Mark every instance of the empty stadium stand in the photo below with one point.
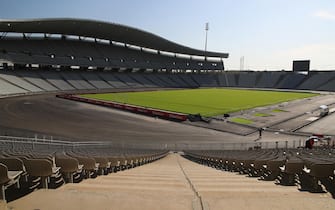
(315, 80)
(269, 79)
(40, 81)
(95, 80)
(28, 165)
(205, 80)
(173, 182)
(77, 81)
(74, 53)
(312, 170)
(143, 80)
(55, 78)
(113, 57)
(291, 81)
(8, 88)
(34, 78)
(247, 79)
(19, 82)
(128, 81)
(92, 59)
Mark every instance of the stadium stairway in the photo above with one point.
(173, 183)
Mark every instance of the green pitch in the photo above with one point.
(207, 102)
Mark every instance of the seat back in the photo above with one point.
(103, 162)
(321, 170)
(294, 166)
(273, 165)
(89, 163)
(114, 161)
(3, 174)
(67, 164)
(38, 167)
(13, 163)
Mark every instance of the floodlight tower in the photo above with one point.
(206, 29)
(242, 63)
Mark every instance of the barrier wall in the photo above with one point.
(135, 109)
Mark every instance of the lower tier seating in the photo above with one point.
(23, 171)
(311, 170)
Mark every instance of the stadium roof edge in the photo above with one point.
(101, 30)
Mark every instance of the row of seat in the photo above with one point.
(21, 172)
(311, 170)
(75, 53)
(28, 81)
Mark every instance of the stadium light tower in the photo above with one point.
(206, 29)
(242, 63)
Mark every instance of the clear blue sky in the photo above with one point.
(268, 33)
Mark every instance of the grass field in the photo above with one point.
(207, 102)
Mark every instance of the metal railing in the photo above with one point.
(240, 145)
(20, 143)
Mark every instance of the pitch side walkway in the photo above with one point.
(172, 183)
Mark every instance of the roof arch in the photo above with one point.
(101, 30)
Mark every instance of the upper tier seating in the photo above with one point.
(87, 54)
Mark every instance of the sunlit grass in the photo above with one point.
(207, 102)
(241, 120)
(261, 115)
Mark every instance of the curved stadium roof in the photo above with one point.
(101, 30)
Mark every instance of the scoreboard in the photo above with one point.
(301, 65)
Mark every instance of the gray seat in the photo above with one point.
(41, 168)
(8, 179)
(69, 167)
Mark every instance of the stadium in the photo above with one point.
(94, 117)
